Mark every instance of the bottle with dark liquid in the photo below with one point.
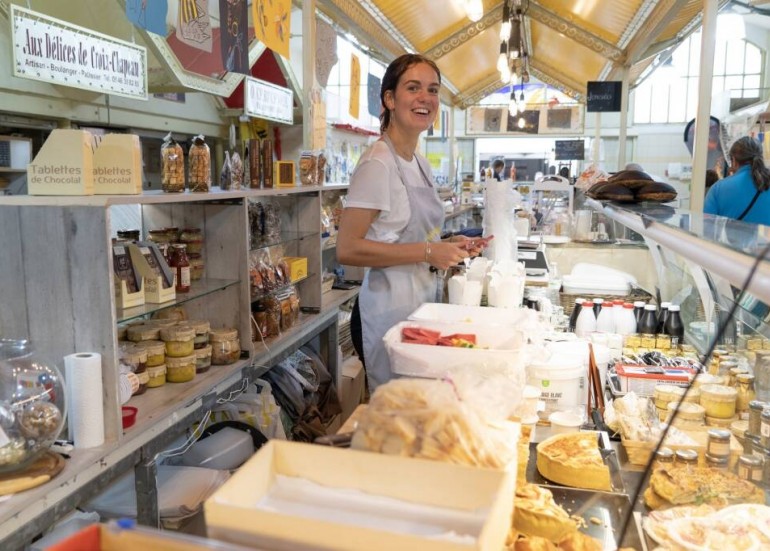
(598, 304)
(674, 326)
(638, 310)
(575, 313)
(662, 317)
(648, 323)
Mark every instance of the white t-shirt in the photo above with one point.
(375, 184)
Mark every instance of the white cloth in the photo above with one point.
(376, 185)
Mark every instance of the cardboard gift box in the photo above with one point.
(248, 509)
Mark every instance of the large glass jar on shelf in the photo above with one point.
(32, 404)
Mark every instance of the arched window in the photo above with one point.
(670, 93)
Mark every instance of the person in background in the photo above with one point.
(513, 172)
(393, 216)
(742, 196)
(634, 166)
(497, 170)
(712, 177)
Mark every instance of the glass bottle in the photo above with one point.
(638, 310)
(598, 304)
(746, 392)
(674, 326)
(181, 264)
(648, 323)
(662, 317)
(575, 313)
(586, 321)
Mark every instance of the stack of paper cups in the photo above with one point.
(83, 372)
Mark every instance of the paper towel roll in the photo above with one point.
(83, 372)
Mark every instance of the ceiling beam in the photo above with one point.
(490, 19)
(473, 95)
(651, 29)
(545, 73)
(570, 28)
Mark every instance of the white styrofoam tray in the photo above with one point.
(499, 349)
(456, 313)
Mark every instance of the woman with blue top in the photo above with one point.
(743, 196)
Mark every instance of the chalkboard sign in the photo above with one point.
(570, 150)
(604, 97)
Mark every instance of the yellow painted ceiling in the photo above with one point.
(572, 41)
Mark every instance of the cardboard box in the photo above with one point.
(232, 513)
(352, 386)
(118, 165)
(638, 379)
(297, 267)
(64, 165)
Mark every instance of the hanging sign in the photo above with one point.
(268, 101)
(58, 52)
(355, 85)
(604, 96)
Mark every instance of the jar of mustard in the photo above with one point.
(202, 359)
(201, 328)
(143, 332)
(157, 376)
(225, 346)
(180, 369)
(156, 352)
(179, 341)
(719, 401)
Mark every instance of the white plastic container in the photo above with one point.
(561, 381)
(578, 349)
(564, 422)
(224, 450)
(586, 320)
(455, 313)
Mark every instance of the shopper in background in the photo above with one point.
(712, 177)
(497, 170)
(393, 217)
(742, 195)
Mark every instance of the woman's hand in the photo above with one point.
(473, 245)
(444, 254)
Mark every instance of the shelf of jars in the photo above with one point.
(198, 289)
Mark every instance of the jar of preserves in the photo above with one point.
(193, 238)
(129, 235)
(755, 416)
(202, 359)
(733, 375)
(201, 328)
(180, 370)
(721, 463)
(764, 429)
(180, 264)
(159, 236)
(719, 401)
(156, 352)
(225, 346)
(718, 443)
(686, 457)
(157, 376)
(664, 457)
(135, 358)
(197, 267)
(179, 341)
(750, 468)
(143, 332)
(746, 392)
(143, 378)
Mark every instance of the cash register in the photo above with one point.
(531, 252)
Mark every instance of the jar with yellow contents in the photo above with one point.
(179, 341)
(180, 370)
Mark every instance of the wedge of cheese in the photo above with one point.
(574, 460)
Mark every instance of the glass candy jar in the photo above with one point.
(32, 404)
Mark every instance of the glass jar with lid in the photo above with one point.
(180, 370)
(202, 359)
(746, 392)
(750, 468)
(143, 332)
(197, 267)
(178, 261)
(179, 341)
(664, 457)
(193, 238)
(686, 457)
(157, 376)
(201, 328)
(719, 401)
(225, 346)
(156, 352)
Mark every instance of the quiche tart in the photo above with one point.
(687, 485)
(535, 513)
(574, 460)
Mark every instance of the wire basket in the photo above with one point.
(568, 300)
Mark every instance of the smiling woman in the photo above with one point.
(393, 217)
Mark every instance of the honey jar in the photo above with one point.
(157, 376)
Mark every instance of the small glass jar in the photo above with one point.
(143, 332)
(197, 267)
(764, 429)
(143, 379)
(733, 375)
(664, 457)
(755, 416)
(193, 238)
(746, 392)
(179, 341)
(756, 445)
(719, 401)
(225, 346)
(686, 457)
(201, 328)
(718, 444)
(156, 352)
(662, 341)
(202, 359)
(134, 357)
(180, 370)
(721, 463)
(130, 235)
(750, 468)
(157, 376)
(159, 236)
(180, 264)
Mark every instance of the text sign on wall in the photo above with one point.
(58, 52)
(604, 96)
(266, 100)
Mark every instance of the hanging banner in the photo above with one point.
(374, 105)
(55, 51)
(266, 100)
(233, 35)
(325, 51)
(355, 86)
(272, 21)
(194, 25)
(148, 14)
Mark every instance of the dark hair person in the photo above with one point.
(742, 196)
(393, 216)
(497, 169)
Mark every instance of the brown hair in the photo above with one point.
(393, 74)
(748, 151)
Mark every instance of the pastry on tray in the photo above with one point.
(535, 513)
(573, 460)
(687, 485)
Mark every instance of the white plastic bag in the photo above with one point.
(257, 407)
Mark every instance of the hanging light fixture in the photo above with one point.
(514, 41)
(505, 27)
(512, 59)
(502, 60)
(512, 107)
(474, 9)
(522, 123)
